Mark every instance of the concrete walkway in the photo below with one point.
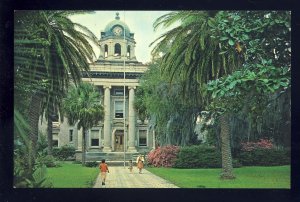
(120, 177)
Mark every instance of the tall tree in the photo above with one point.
(82, 106)
(195, 55)
(210, 46)
(50, 48)
(263, 37)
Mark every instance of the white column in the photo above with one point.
(107, 120)
(101, 50)
(123, 49)
(132, 51)
(111, 49)
(99, 136)
(131, 119)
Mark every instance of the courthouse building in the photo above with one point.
(116, 76)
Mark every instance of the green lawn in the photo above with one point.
(246, 177)
(71, 175)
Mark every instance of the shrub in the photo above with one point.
(262, 153)
(47, 160)
(91, 164)
(42, 144)
(261, 144)
(64, 152)
(199, 156)
(163, 156)
(264, 157)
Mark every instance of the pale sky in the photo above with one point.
(139, 22)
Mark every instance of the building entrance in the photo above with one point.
(119, 140)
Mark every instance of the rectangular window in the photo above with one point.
(94, 142)
(55, 118)
(94, 137)
(55, 139)
(142, 138)
(119, 109)
(71, 135)
(119, 92)
(55, 143)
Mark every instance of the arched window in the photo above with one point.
(117, 49)
(105, 50)
(128, 51)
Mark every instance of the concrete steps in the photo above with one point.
(110, 156)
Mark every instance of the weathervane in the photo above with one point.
(117, 16)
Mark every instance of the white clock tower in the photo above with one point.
(117, 42)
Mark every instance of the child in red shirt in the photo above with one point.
(103, 169)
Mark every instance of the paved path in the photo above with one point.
(120, 177)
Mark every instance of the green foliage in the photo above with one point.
(91, 164)
(192, 53)
(200, 156)
(26, 176)
(162, 102)
(47, 160)
(256, 35)
(21, 129)
(140, 104)
(243, 89)
(48, 51)
(82, 105)
(40, 177)
(42, 144)
(63, 153)
(264, 157)
(263, 39)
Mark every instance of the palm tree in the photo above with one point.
(82, 106)
(50, 48)
(195, 56)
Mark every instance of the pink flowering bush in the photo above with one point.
(261, 144)
(164, 156)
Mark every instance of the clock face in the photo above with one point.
(117, 31)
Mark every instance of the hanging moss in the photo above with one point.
(274, 123)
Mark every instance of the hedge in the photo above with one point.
(264, 157)
(200, 156)
(64, 152)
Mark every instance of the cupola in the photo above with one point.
(117, 42)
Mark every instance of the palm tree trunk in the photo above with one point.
(34, 114)
(49, 127)
(49, 135)
(83, 147)
(227, 168)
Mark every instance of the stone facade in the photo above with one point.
(116, 76)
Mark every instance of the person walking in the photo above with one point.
(103, 169)
(130, 166)
(140, 163)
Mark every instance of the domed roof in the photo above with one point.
(112, 24)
